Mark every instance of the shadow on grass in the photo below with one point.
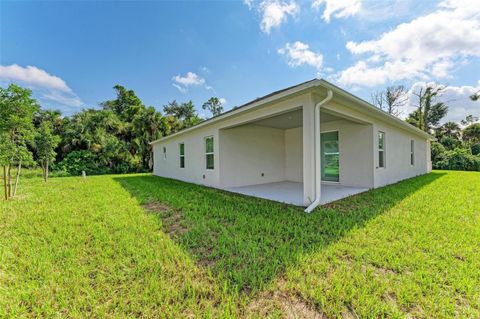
(248, 242)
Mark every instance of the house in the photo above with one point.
(306, 145)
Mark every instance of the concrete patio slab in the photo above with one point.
(292, 192)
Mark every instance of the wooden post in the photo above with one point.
(46, 170)
(9, 171)
(5, 181)
(17, 178)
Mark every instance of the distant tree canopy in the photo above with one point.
(114, 138)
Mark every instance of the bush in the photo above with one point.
(77, 161)
(438, 153)
(475, 149)
(458, 159)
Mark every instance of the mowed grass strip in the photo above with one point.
(145, 246)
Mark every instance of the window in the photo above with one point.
(381, 149)
(209, 152)
(412, 152)
(164, 153)
(182, 155)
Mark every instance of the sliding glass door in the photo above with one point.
(330, 157)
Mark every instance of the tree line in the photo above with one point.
(457, 145)
(111, 139)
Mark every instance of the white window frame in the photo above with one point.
(180, 156)
(412, 152)
(164, 153)
(383, 150)
(209, 153)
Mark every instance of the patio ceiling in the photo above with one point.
(293, 119)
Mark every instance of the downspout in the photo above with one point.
(316, 156)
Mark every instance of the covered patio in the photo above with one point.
(292, 192)
(266, 158)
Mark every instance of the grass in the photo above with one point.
(144, 246)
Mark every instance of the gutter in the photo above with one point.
(316, 156)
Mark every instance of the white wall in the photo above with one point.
(280, 154)
(294, 155)
(247, 152)
(195, 167)
(397, 148)
(355, 148)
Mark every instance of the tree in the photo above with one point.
(125, 105)
(471, 134)
(391, 99)
(475, 96)
(449, 135)
(469, 119)
(214, 106)
(429, 111)
(148, 126)
(45, 144)
(17, 108)
(184, 112)
(449, 129)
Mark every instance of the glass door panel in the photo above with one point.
(330, 157)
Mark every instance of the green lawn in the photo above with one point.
(144, 246)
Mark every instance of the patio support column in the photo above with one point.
(308, 150)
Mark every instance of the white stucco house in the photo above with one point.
(306, 145)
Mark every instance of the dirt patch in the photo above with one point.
(287, 306)
(173, 222)
(155, 207)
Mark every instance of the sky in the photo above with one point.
(72, 53)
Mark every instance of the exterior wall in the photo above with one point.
(294, 155)
(397, 148)
(242, 151)
(195, 167)
(195, 170)
(247, 152)
(355, 145)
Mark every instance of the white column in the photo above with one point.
(308, 151)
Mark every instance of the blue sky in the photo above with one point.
(72, 53)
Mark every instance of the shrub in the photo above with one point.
(458, 159)
(77, 161)
(475, 149)
(438, 152)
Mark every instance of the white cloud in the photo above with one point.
(337, 8)
(299, 54)
(424, 48)
(248, 3)
(33, 76)
(223, 100)
(70, 100)
(189, 79)
(180, 88)
(182, 83)
(456, 97)
(48, 88)
(274, 13)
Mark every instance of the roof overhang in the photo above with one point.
(309, 86)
